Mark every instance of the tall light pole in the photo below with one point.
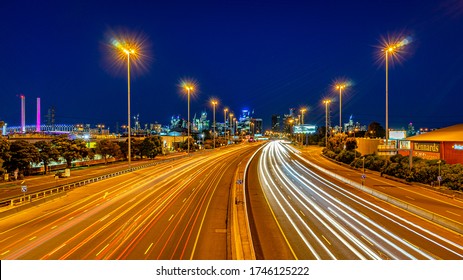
(391, 49)
(225, 110)
(340, 87)
(327, 101)
(303, 110)
(189, 86)
(214, 103)
(127, 47)
(230, 116)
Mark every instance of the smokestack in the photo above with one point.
(23, 113)
(37, 127)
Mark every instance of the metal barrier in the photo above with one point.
(22, 199)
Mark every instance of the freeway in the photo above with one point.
(174, 210)
(321, 218)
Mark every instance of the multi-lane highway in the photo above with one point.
(175, 210)
(319, 218)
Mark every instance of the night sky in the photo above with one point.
(265, 55)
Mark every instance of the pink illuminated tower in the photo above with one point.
(23, 113)
(37, 127)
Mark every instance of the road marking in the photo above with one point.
(367, 240)
(6, 252)
(32, 238)
(326, 239)
(71, 218)
(171, 217)
(137, 218)
(290, 198)
(148, 248)
(104, 218)
(184, 199)
(302, 213)
(313, 197)
(409, 197)
(102, 249)
(54, 227)
(453, 213)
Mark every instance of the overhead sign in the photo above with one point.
(24, 188)
(458, 147)
(305, 129)
(397, 134)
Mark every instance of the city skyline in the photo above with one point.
(266, 55)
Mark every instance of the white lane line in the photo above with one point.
(102, 249)
(32, 238)
(409, 197)
(4, 253)
(171, 217)
(71, 218)
(54, 227)
(148, 248)
(184, 200)
(453, 213)
(302, 213)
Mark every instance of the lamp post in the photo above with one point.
(327, 101)
(340, 87)
(214, 103)
(230, 117)
(189, 87)
(127, 48)
(391, 49)
(225, 110)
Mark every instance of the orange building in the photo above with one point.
(444, 144)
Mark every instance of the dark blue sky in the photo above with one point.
(266, 55)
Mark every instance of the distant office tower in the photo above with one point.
(276, 123)
(37, 127)
(51, 118)
(23, 113)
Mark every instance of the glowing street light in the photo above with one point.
(127, 48)
(390, 49)
(340, 86)
(189, 86)
(214, 103)
(303, 110)
(230, 116)
(327, 102)
(225, 110)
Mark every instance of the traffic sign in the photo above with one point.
(364, 176)
(439, 178)
(24, 188)
(239, 182)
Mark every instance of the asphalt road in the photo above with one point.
(175, 210)
(320, 218)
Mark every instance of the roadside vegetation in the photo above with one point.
(342, 148)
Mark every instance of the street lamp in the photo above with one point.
(214, 103)
(225, 110)
(230, 116)
(130, 48)
(340, 87)
(303, 110)
(189, 86)
(326, 101)
(391, 49)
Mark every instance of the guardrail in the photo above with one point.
(34, 196)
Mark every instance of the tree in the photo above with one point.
(22, 154)
(70, 149)
(4, 152)
(351, 144)
(151, 146)
(376, 130)
(107, 148)
(47, 153)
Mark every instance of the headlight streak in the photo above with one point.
(322, 212)
(317, 190)
(263, 173)
(381, 212)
